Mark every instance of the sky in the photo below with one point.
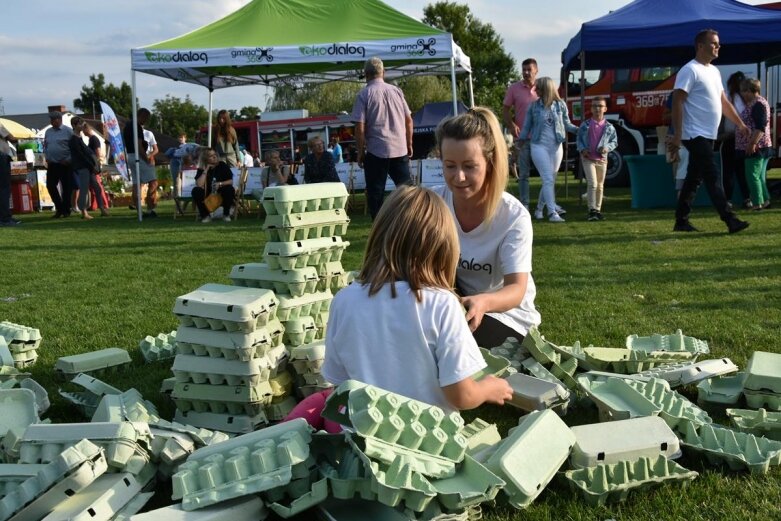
(49, 48)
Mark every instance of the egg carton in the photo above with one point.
(494, 365)
(530, 456)
(233, 345)
(41, 395)
(170, 448)
(103, 361)
(244, 465)
(220, 371)
(280, 407)
(539, 349)
(759, 423)
(69, 472)
(722, 390)
(281, 386)
(624, 440)
(321, 323)
(249, 508)
(133, 506)
(309, 390)
(534, 394)
(755, 400)
(481, 436)
(24, 359)
(15, 334)
(296, 281)
(300, 331)
(6, 360)
(230, 308)
(200, 436)
(763, 373)
(316, 493)
(8, 372)
(306, 225)
(332, 276)
(282, 200)
(342, 466)
(121, 442)
(18, 409)
(512, 350)
(160, 347)
(127, 406)
(395, 427)
(17, 347)
(308, 304)
(14, 474)
(222, 422)
(536, 369)
(631, 361)
(247, 400)
(574, 351)
(314, 379)
(612, 483)
(738, 450)
(99, 501)
(308, 358)
(687, 373)
(617, 400)
(672, 343)
(307, 252)
(673, 407)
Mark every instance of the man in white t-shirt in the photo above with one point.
(698, 102)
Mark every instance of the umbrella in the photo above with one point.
(18, 131)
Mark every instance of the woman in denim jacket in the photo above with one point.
(546, 125)
(596, 138)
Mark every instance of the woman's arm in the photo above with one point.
(200, 177)
(508, 297)
(468, 394)
(582, 139)
(565, 118)
(223, 171)
(528, 123)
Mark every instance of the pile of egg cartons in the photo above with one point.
(18, 344)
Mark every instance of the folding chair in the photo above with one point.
(241, 204)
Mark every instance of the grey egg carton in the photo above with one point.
(534, 394)
(308, 304)
(127, 406)
(103, 361)
(309, 390)
(307, 252)
(300, 331)
(332, 276)
(18, 410)
(687, 373)
(23, 381)
(248, 508)
(304, 198)
(17, 335)
(675, 342)
(14, 474)
(306, 225)
(223, 422)
(308, 358)
(222, 398)
(6, 360)
(24, 359)
(296, 281)
(230, 345)
(280, 407)
(221, 307)
(100, 500)
(220, 371)
(160, 347)
(721, 390)
(133, 506)
(248, 464)
(321, 323)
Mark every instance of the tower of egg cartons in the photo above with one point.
(302, 264)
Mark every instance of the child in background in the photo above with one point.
(596, 138)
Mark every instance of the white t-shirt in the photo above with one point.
(489, 252)
(702, 109)
(149, 137)
(398, 344)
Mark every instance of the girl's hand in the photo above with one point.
(476, 306)
(603, 151)
(497, 390)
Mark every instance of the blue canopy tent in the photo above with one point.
(424, 123)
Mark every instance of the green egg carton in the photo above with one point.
(222, 422)
(248, 508)
(722, 390)
(127, 406)
(308, 358)
(588, 378)
(763, 373)
(100, 362)
(612, 483)
(317, 493)
(24, 359)
(630, 361)
(306, 225)
(480, 437)
(676, 342)
(221, 371)
(235, 345)
(471, 485)
(771, 402)
(759, 423)
(300, 331)
(536, 369)
(512, 350)
(296, 281)
(687, 373)
(244, 465)
(617, 400)
(69, 472)
(230, 308)
(100, 501)
(307, 252)
(495, 365)
(340, 464)
(674, 408)
(737, 450)
(280, 407)
(18, 409)
(395, 427)
(222, 398)
(121, 442)
(539, 349)
(531, 455)
(14, 474)
(160, 347)
(18, 336)
(332, 276)
(308, 304)
(304, 198)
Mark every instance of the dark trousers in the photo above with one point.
(227, 192)
(732, 169)
(492, 333)
(60, 174)
(702, 167)
(377, 170)
(5, 188)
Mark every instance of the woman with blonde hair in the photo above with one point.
(546, 125)
(494, 229)
(226, 143)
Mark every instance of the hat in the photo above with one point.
(55, 114)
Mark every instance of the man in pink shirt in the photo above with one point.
(518, 98)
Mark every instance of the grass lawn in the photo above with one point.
(112, 281)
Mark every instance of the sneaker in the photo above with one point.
(736, 225)
(555, 218)
(206, 219)
(766, 205)
(9, 223)
(747, 204)
(592, 215)
(227, 219)
(684, 226)
(600, 217)
(561, 211)
(538, 214)
(131, 207)
(150, 214)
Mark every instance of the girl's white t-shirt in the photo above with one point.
(398, 344)
(491, 251)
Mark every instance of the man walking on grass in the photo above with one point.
(698, 102)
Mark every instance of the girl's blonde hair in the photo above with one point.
(414, 240)
(546, 90)
(481, 123)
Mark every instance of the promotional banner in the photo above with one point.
(115, 139)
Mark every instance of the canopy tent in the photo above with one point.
(649, 33)
(428, 117)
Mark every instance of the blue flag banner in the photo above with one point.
(115, 139)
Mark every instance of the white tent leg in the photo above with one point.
(211, 99)
(134, 122)
(471, 93)
(453, 85)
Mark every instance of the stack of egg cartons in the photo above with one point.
(22, 343)
(302, 264)
(229, 357)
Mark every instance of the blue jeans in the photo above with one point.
(524, 171)
(377, 170)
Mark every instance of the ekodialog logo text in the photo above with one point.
(179, 57)
(417, 49)
(333, 50)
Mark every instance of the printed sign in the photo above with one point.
(115, 139)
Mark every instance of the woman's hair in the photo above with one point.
(481, 123)
(204, 151)
(733, 83)
(76, 121)
(546, 90)
(225, 131)
(751, 85)
(414, 240)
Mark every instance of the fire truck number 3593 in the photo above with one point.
(650, 100)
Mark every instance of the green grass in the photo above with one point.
(112, 281)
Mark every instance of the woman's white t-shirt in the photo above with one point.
(398, 344)
(489, 252)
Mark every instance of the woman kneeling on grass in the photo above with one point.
(399, 326)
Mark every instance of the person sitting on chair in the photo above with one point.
(276, 174)
(214, 176)
(319, 164)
